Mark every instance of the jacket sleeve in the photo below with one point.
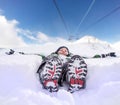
(50, 56)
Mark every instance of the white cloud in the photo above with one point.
(8, 33)
(43, 37)
(12, 36)
(36, 37)
(27, 33)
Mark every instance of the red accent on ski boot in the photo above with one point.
(52, 72)
(81, 82)
(76, 81)
(72, 81)
(48, 81)
(78, 70)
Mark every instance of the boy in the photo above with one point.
(61, 66)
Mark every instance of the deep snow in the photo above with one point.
(19, 83)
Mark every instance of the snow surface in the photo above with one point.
(19, 83)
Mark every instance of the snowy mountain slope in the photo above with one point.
(90, 39)
(93, 44)
(86, 46)
(117, 45)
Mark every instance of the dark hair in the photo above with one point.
(60, 48)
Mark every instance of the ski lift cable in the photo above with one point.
(61, 16)
(103, 17)
(85, 15)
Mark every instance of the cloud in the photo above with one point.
(8, 33)
(36, 37)
(43, 38)
(27, 34)
(13, 36)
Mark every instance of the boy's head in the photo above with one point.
(62, 50)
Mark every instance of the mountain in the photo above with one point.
(92, 45)
(85, 46)
(117, 45)
(90, 39)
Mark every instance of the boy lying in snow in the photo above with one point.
(62, 66)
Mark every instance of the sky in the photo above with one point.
(37, 21)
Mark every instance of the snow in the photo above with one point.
(19, 83)
(90, 39)
(117, 45)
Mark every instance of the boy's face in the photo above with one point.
(63, 51)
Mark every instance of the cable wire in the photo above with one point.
(61, 16)
(102, 18)
(85, 15)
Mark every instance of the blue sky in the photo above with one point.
(42, 16)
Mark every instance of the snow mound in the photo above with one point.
(19, 83)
